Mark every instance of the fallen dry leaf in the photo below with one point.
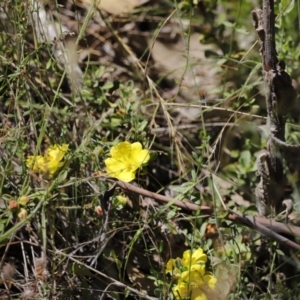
(139, 280)
(196, 74)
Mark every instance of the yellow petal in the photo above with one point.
(190, 258)
(115, 167)
(198, 256)
(197, 272)
(200, 268)
(139, 156)
(137, 146)
(198, 294)
(53, 166)
(194, 274)
(171, 265)
(56, 152)
(186, 258)
(30, 162)
(119, 170)
(126, 176)
(185, 276)
(210, 280)
(36, 163)
(121, 151)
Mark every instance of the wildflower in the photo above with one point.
(125, 159)
(192, 279)
(50, 162)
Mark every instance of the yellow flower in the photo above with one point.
(125, 159)
(50, 162)
(191, 258)
(193, 281)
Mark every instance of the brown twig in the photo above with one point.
(183, 204)
(265, 226)
(254, 223)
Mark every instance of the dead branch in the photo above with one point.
(267, 227)
(280, 99)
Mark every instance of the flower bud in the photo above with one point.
(121, 200)
(23, 200)
(13, 205)
(98, 210)
(22, 214)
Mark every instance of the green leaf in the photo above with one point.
(194, 175)
(171, 214)
(279, 252)
(142, 126)
(48, 65)
(80, 270)
(245, 158)
(107, 86)
(287, 6)
(242, 30)
(234, 153)
(228, 24)
(221, 62)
